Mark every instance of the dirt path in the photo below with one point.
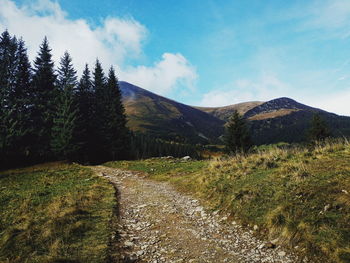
(159, 224)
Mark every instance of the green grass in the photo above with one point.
(300, 196)
(183, 174)
(54, 213)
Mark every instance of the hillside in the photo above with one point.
(168, 119)
(287, 120)
(296, 197)
(223, 113)
(281, 119)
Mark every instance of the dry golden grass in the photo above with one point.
(299, 195)
(272, 114)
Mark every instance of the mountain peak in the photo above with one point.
(164, 118)
(282, 103)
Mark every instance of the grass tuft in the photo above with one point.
(299, 195)
(54, 213)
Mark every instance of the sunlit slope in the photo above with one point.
(277, 120)
(168, 119)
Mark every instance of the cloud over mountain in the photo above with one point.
(114, 41)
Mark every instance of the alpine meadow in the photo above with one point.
(188, 131)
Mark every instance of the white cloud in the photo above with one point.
(266, 87)
(337, 102)
(172, 70)
(113, 42)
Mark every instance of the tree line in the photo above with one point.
(47, 114)
(237, 137)
(144, 146)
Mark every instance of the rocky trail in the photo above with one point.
(156, 223)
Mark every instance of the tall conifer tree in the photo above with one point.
(44, 98)
(85, 132)
(319, 129)
(237, 137)
(116, 131)
(99, 122)
(64, 121)
(8, 57)
(20, 101)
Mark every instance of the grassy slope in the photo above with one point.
(54, 213)
(225, 112)
(299, 196)
(167, 119)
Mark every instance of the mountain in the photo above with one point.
(224, 113)
(164, 118)
(287, 120)
(277, 120)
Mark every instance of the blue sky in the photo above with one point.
(209, 53)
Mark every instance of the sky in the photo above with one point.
(201, 52)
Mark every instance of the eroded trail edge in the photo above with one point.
(159, 224)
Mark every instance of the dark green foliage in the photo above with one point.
(294, 127)
(15, 77)
(84, 135)
(64, 121)
(237, 137)
(116, 132)
(99, 86)
(44, 96)
(112, 137)
(319, 129)
(143, 147)
(8, 47)
(45, 116)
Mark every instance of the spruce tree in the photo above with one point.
(319, 129)
(64, 121)
(20, 100)
(85, 132)
(116, 132)
(99, 122)
(237, 137)
(8, 59)
(44, 94)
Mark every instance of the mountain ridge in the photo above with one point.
(168, 119)
(280, 119)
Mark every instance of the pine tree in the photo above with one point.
(20, 100)
(44, 95)
(85, 131)
(116, 132)
(8, 59)
(64, 121)
(319, 129)
(99, 121)
(237, 138)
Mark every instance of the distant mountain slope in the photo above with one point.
(225, 112)
(277, 120)
(287, 120)
(278, 104)
(168, 119)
